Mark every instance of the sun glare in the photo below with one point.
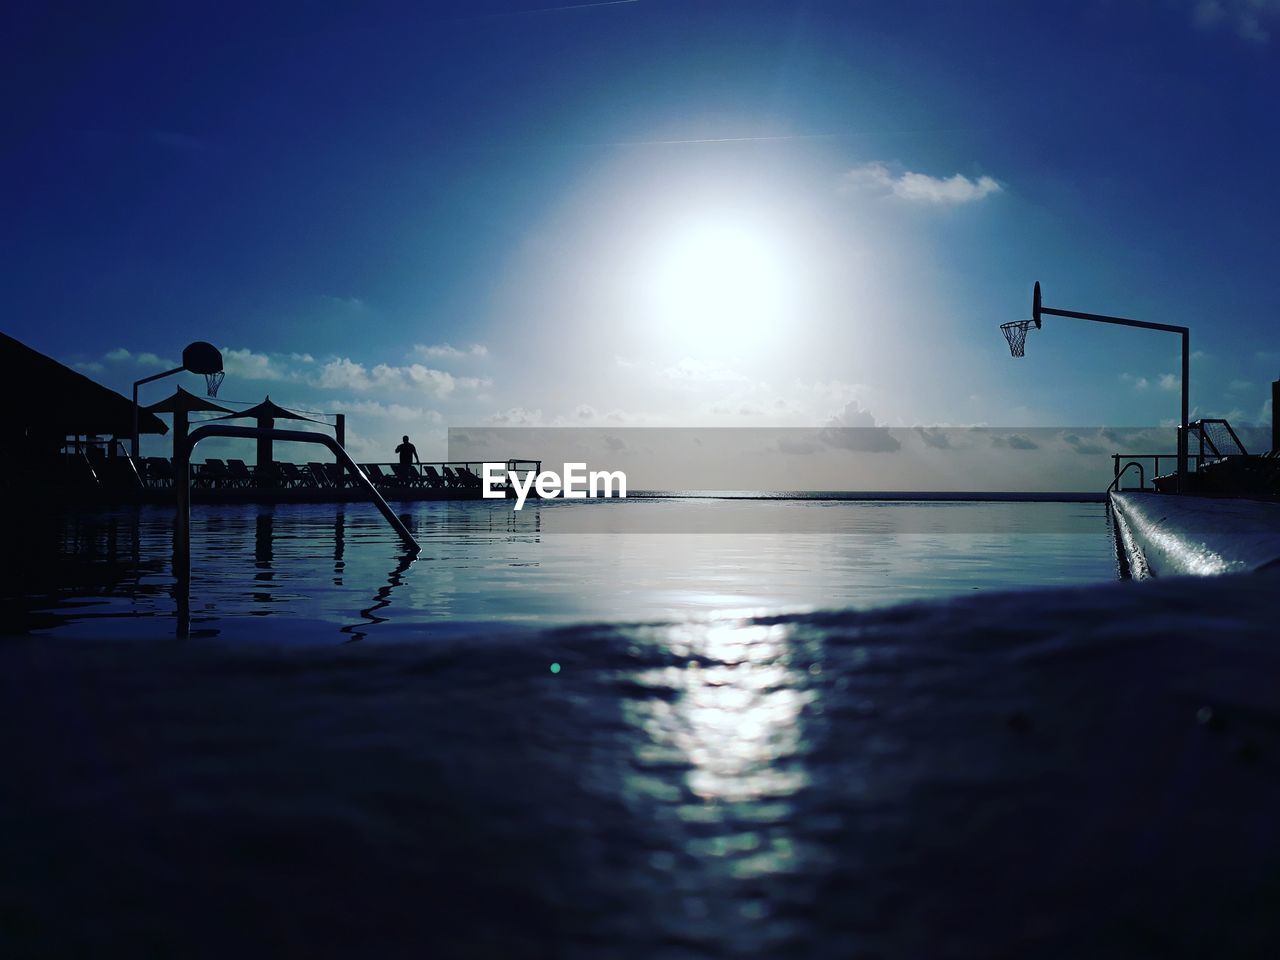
(718, 284)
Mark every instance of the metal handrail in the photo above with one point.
(1142, 476)
(182, 480)
(1196, 458)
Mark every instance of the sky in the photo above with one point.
(650, 213)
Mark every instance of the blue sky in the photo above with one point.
(663, 212)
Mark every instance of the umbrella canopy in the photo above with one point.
(188, 402)
(266, 413)
(43, 398)
(267, 410)
(180, 404)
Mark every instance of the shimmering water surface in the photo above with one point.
(1068, 773)
(315, 571)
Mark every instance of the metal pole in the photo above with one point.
(135, 422)
(339, 434)
(1185, 333)
(1275, 413)
(182, 517)
(1183, 485)
(136, 385)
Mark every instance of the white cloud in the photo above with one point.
(121, 355)
(1015, 441)
(389, 411)
(1084, 445)
(1170, 382)
(91, 366)
(343, 373)
(247, 365)
(689, 370)
(447, 351)
(919, 187)
(854, 428)
(437, 381)
(517, 417)
(1248, 18)
(1239, 386)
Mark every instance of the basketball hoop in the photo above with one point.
(212, 381)
(1015, 332)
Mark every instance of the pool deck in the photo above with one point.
(1166, 535)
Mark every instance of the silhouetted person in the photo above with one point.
(408, 452)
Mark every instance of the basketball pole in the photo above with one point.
(1184, 332)
(136, 385)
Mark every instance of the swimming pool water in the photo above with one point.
(327, 572)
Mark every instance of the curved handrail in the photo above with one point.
(1142, 476)
(182, 476)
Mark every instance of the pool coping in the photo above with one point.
(1165, 535)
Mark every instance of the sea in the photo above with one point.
(666, 727)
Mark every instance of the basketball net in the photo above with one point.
(212, 381)
(1016, 333)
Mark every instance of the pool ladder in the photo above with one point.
(182, 484)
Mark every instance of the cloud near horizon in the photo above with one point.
(918, 187)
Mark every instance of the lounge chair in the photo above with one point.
(159, 472)
(239, 473)
(376, 476)
(291, 475)
(468, 478)
(214, 474)
(433, 479)
(319, 475)
(406, 475)
(336, 472)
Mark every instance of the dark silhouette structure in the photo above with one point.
(1016, 333)
(182, 404)
(49, 408)
(198, 357)
(267, 413)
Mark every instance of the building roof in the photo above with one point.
(40, 395)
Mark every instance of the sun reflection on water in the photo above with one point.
(731, 718)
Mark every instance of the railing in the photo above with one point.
(1218, 449)
(1154, 457)
(1142, 480)
(103, 461)
(216, 474)
(182, 477)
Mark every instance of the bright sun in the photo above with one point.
(720, 283)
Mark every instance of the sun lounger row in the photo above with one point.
(420, 476)
(218, 474)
